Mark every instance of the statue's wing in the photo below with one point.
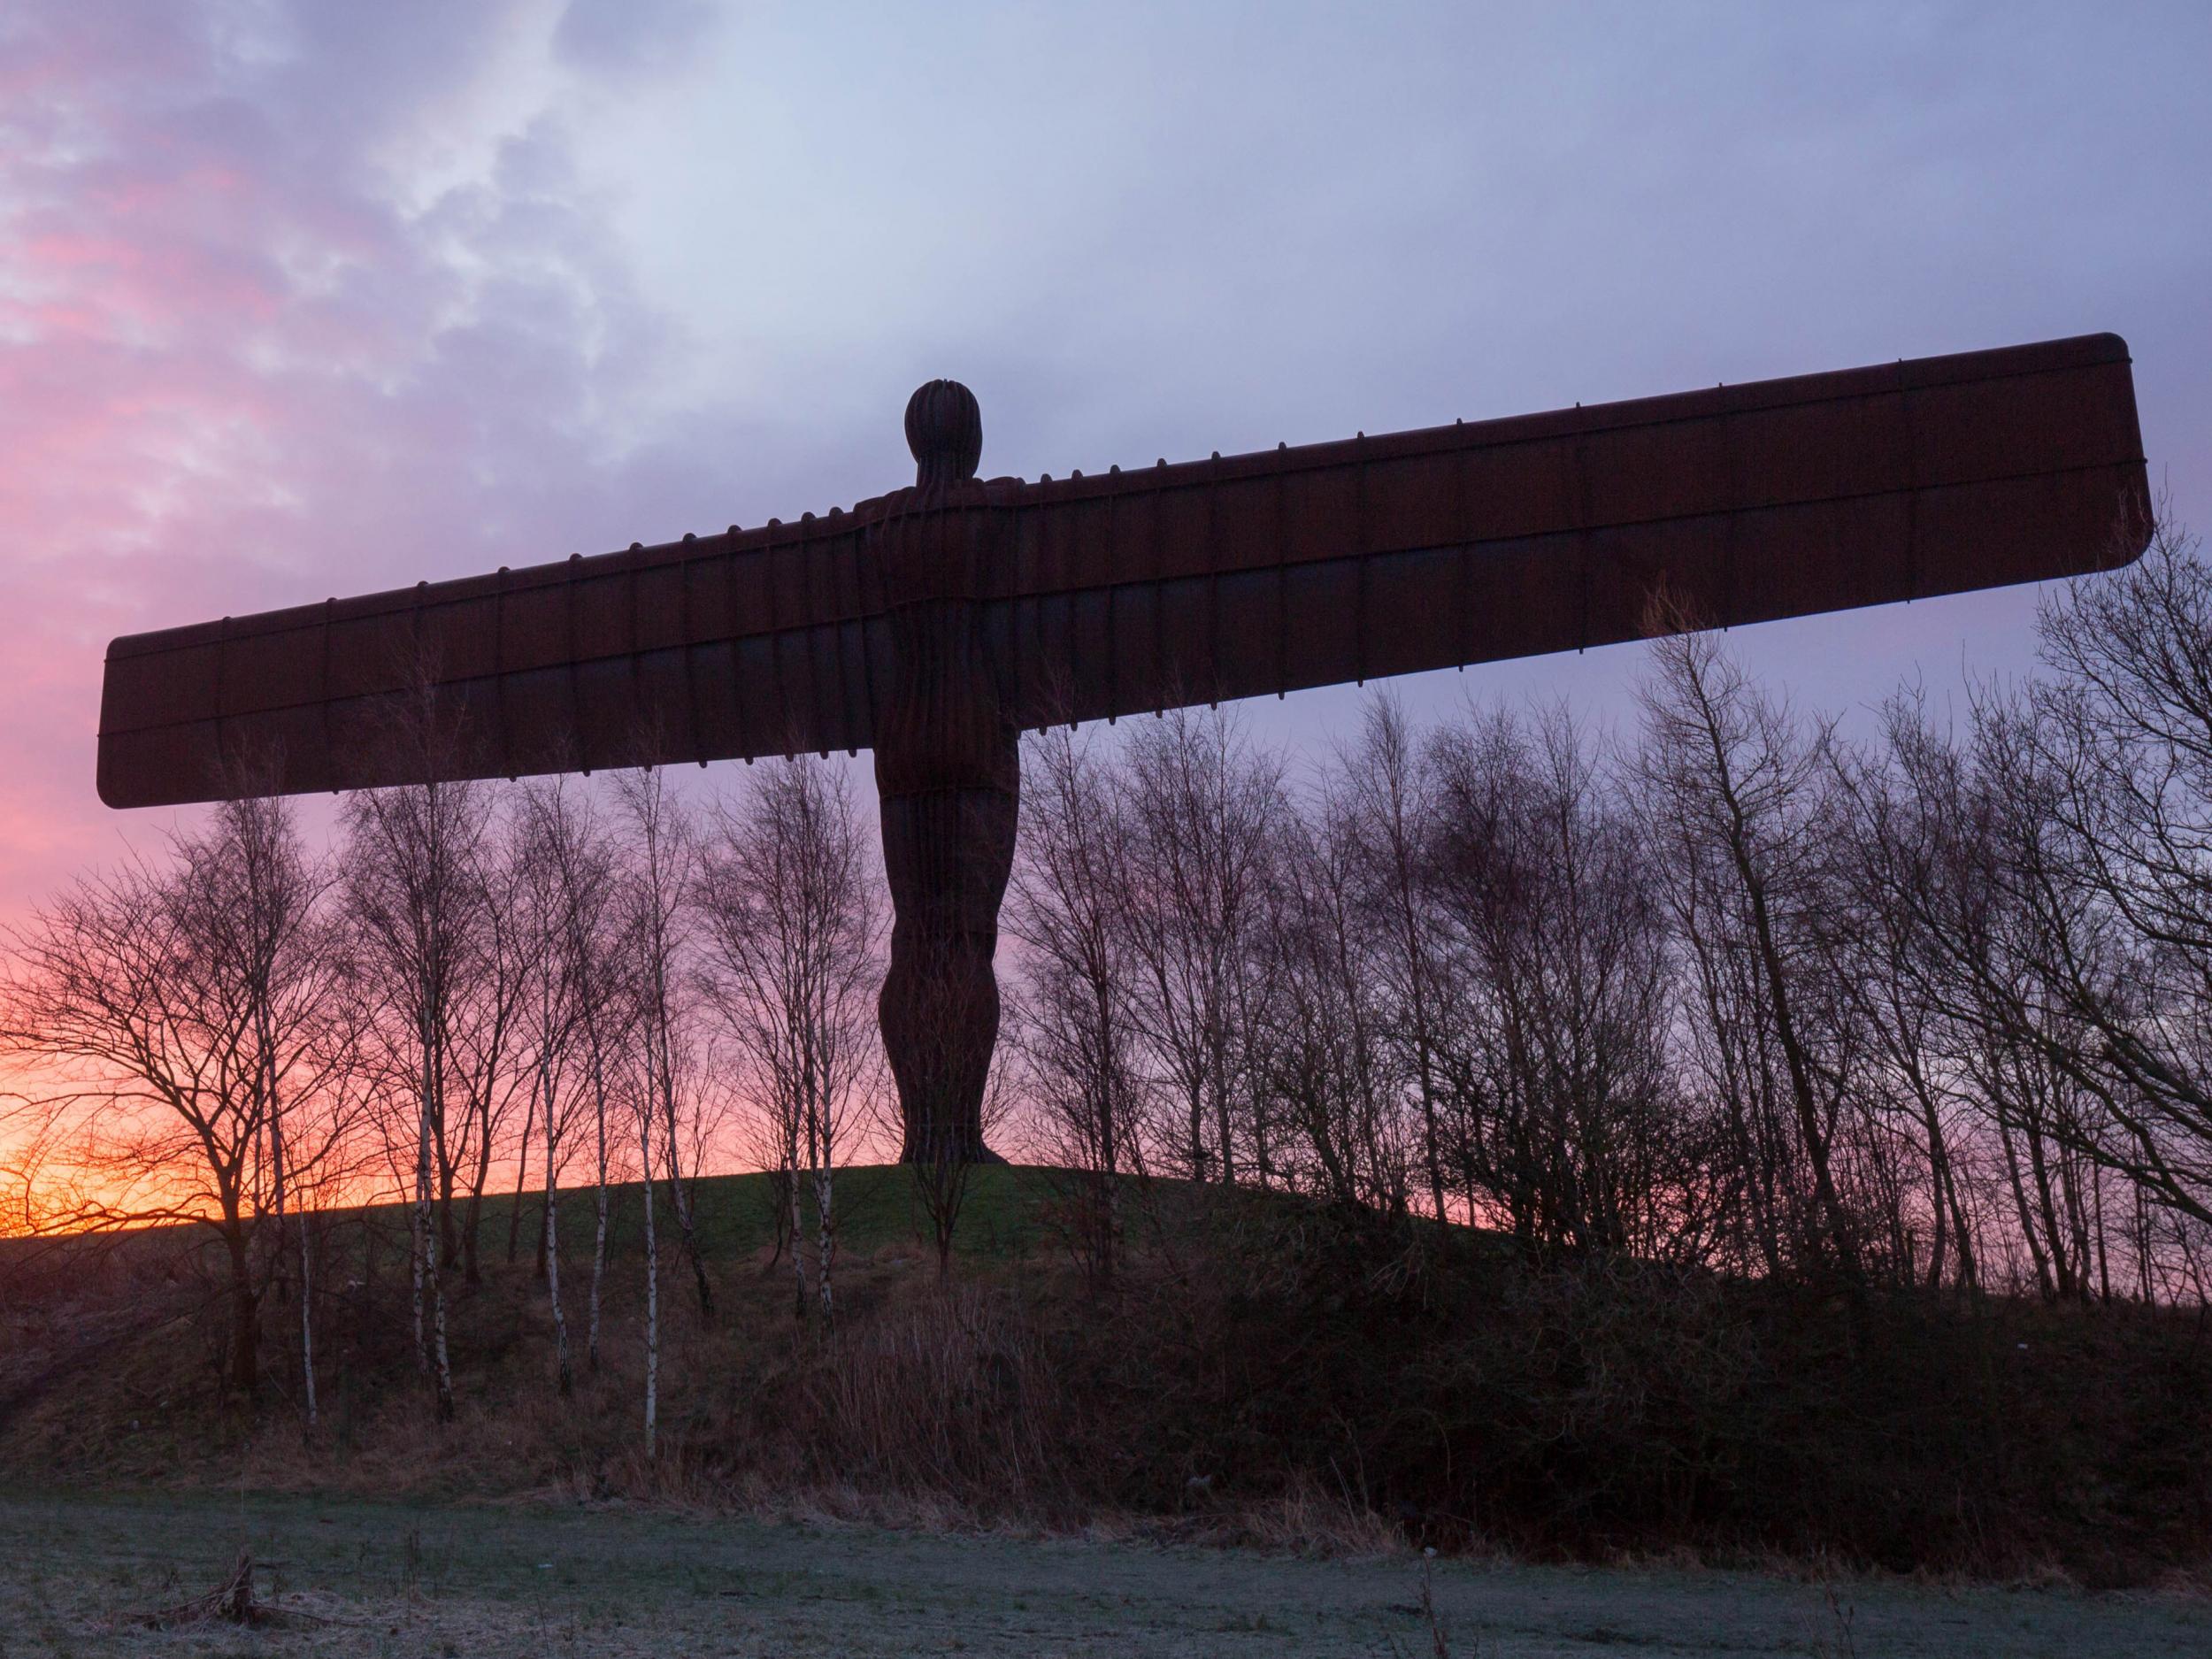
(750, 643)
(1350, 561)
(1220, 579)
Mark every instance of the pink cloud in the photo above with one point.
(238, 369)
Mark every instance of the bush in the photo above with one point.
(1263, 1371)
(1583, 1406)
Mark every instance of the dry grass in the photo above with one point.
(929, 1408)
(1273, 1387)
(539, 1581)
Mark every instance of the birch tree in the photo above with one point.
(414, 891)
(596, 956)
(486, 1078)
(1383, 798)
(553, 846)
(1741, 800)
(644, 1104)
(663, 854)
(255, 901)
(1076, 1024)
(1317, 1051)
(1556, 983)
(180, 1016)
(793, 922)
(1202, 805)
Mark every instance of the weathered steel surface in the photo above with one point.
(1547, 533)
(949, 777)
(1123, 592)
(933, 624)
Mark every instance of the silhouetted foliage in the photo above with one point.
(1729, 1130)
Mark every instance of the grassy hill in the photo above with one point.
(1005, 1213)
(1257, 1368)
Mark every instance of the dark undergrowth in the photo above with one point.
(1257, 1370)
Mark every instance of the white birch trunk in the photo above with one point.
(420, 1237)
(437, 1316)
(652, 1288)
(828, 1238)
(561, 1368)
(599, 1231)
(522, 1169)
(307, 1286)
(307, 1321)
(679, 1200)
(798, 1226)
(553, 1283)
(428, 1276)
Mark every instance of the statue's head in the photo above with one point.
(944, 428)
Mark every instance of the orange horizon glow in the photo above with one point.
(82, 1201)
(302, 301)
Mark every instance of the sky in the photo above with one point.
(303, 299)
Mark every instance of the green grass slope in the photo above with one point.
(1005, 1212)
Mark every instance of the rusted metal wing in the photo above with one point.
(748, 642)
(1389, 554)
(1130, 591)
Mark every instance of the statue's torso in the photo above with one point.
(943, 724)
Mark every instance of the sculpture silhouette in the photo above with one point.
(936, 623)
(948, 775)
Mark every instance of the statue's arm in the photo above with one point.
(1354, 560)
(739, 644)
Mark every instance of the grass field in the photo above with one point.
(1001, 1214)
(493, 1582)
(129, 1481)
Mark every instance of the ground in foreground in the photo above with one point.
(548, 1582)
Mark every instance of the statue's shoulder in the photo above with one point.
(975, 492)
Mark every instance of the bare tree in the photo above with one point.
(415, 893)
(484, 1065)
(1903, 815)
(1202, 805)
(1318, 1052)
(793, 923)
(2122, 749)
(1075, 1021)
(597, 960)
(2006, 944)
(183, 1017)
(645, 1104)
(1551, 959)
(663, 855)
(554, 856)
(1738, 793)
(1384, 800)
(255, 903)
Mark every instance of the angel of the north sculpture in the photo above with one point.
(936, 623)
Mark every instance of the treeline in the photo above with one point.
(536, 989)
(1731, 991)
(1726, 993)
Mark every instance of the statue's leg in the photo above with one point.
(947, 854)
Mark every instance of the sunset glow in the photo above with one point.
(1138, 827)
(302, 300)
